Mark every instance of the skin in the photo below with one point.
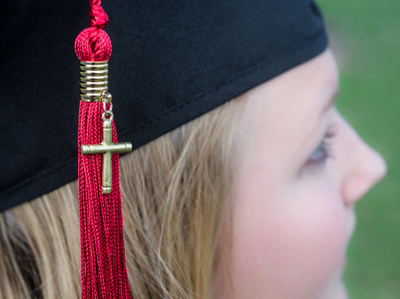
(293, 211)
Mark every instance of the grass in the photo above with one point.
(365, 37)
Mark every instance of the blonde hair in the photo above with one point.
(175, 193)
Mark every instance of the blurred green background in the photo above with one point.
(365, 38)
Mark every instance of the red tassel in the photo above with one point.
(103, 271)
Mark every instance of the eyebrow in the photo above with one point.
(331, 101)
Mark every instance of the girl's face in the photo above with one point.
(302, 169)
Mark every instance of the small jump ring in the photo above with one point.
(105, 107)
(106, 97)
(107, 114)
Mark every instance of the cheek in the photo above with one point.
(288, 246)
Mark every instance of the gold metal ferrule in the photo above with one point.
(93, 80)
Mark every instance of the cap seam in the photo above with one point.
(66, 163)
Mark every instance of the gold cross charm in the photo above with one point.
(107, 148)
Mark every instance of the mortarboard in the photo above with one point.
(172, 62)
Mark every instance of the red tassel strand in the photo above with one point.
(103, 271)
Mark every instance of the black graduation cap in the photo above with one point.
(172, 62)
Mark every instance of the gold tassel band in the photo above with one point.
(93, 80)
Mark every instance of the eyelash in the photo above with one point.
(323, 151)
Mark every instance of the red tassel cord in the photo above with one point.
(103, 271)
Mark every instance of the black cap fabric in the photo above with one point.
(172, 61)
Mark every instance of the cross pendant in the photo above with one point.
(107, 148)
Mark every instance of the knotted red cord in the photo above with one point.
(103, 271)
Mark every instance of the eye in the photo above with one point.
(323, 151)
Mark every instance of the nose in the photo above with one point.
(366, 167)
